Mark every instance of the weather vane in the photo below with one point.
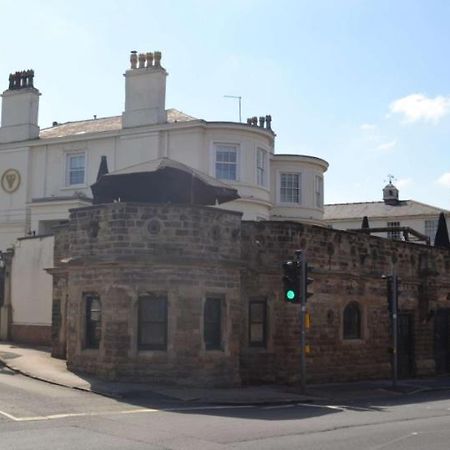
(390, 178)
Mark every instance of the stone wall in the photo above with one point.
(120, 251)
(347, 267)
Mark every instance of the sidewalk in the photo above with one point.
(37, 363)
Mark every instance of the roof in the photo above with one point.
(342, 211)
(162, 181)
(101, 125)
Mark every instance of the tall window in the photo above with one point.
(257, 326)
(226, 162)
(212, 324)
(75, 169)
(93, 321)
(352, 321)
(152, 322)
(319, 191)
(290, 188)
(394, 234)
(261, 167)
(431, 228)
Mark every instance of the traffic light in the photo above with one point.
(392, 293)
(307, 281)
(291, 285)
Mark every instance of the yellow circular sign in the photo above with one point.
(10, 180)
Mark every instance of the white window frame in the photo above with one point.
(264, 169)
(68, 157)
(231, 146)
(318, 190)
(394, 235)
(280, 176)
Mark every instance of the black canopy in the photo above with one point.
(161, 181)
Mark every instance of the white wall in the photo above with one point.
(309, 167)
(31, 286)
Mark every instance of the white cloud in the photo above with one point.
(444, 180)
(387, 145)
(368, 127)
(416, 107)
(403, 182)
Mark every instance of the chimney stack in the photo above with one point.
(20, 106)
(145, 91)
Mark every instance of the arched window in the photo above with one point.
(352, 321)
(93, 321)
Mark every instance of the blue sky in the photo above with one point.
(364, 84)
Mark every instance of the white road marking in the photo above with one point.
(151, 410)
(126, 411)
(279, 406)
(312, 405)
(83, 414)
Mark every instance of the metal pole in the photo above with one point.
(240, 106)
(240, 116)
(301, 264)
(394, 329)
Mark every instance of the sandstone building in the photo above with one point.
(191, 294)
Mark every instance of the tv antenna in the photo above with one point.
(238, 97)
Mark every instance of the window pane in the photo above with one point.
(226, 162)
(256, 333)
(75, 169)
(319, 191)
(212, 326)
(395, 234)
(290, 188)
(93, 322)
(261, 166)
(352, 321)
(152, 323)
(257, 323)
(257, 312)
(153, 335)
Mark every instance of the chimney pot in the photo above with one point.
(157, 56)
(133, 59)
(149, 57)
(141, 60)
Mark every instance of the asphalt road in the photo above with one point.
(36, 415)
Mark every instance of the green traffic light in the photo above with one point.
(290, 294)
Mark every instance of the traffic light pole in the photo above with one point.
(300, 258)
(394, 328)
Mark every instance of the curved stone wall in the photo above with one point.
(119, 252)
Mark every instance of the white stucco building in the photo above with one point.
(391, 212)
(45, 173)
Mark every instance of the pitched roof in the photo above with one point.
(101, 124)
(342, 211)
